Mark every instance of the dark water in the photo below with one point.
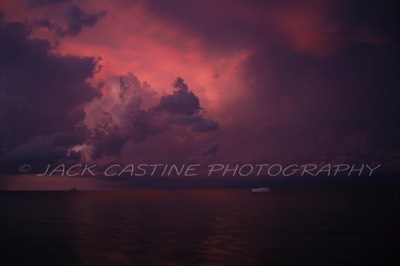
(352, 226)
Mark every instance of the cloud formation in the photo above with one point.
(319, 82)
(53, 114)
(41, 97)
(76, 19)
(180, 102)
(210, 150)
(42, 3)
(300, 81)
(73, 21)
(123, 116)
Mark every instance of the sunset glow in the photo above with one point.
(263, 82)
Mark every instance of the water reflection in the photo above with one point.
(164, 226)
(194, 227)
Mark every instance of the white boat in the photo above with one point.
(260, 189)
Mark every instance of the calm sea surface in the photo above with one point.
(327, 226)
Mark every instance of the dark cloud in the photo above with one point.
(181, 101)
(210, 150)
(340, 106)
(206, 126)
(76, 19)
(184, 108)
(308, 26)
(186, 119)
(109, 144)
(41, 96)
(197, 121)
(317, 72)
(137, 126)
(54, 28)
(42, 3)
(44, 148)
(128, 120)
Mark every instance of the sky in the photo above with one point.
(198, 82)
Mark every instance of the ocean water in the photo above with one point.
(319, 226)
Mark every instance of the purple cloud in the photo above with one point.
(76, 19)
(42, 95)
(131, 119)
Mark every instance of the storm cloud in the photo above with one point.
(76, 19)
(279, 81)
(41, 96)
(42, 3)
(127, 115)
(71, 23)
(318, 74)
